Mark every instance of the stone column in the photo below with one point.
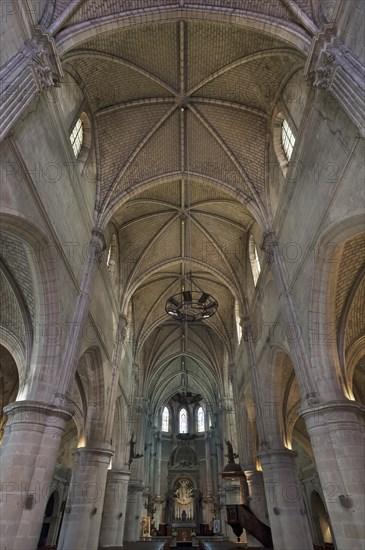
(84, 507)
(157, 480)
(29, 450)
(133, 512)
(114, 511)
(337, 433)
(209, 488)
(137, 482)
(288, 521)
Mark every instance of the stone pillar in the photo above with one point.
(133, 512)
(114, 511)
(298, 352)
(288, 520)
(84, 507)
(209, 488)
(81, 311)
(157, 480)
(29, 450)
(256, 494)
(228, 419)
(337, 433)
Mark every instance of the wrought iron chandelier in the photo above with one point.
(190, 304)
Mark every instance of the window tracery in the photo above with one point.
(165, 420)
(183, 421)
(200, 419)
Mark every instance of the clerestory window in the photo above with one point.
(254, 259)
(183, 421)
(200, 419)
(287, 139)
(165, 420)
(77, 137)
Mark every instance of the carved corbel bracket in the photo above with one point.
(42, 55)
(332, 67)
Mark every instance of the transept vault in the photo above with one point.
(149, 149)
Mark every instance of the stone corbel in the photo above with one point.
(42, 55)
(332, 67)
(36, 68)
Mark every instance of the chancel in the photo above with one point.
(182, 274)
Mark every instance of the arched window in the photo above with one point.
(112, 252)
(287, 139)
(165, 420)
(77, 137)
(183, 421)
(238, 320)
(200, 419)
(254, 259)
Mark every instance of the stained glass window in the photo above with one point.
(165, 420)
(183, 421)
(287, 139)
(201, 422)
(77, 137)
(254, 259)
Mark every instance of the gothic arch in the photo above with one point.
(329, 373)
(47, 304)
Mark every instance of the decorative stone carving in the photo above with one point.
(332, 67)
(324, 73)
(41, 53)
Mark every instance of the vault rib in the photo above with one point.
(244, 60)
(134, 154)
(119, 60)
(230, 154)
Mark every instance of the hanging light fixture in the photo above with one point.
(191, 304)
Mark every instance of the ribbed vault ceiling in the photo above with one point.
(181, 114)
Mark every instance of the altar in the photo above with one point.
(184, 534)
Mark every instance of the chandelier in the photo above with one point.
(190, 304)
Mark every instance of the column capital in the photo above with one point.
(36, 68)
(97, 244)
(269, 245)
(332, 414)
(332, 67)
(284, 455)
(118, 475)
(36, 415)
(93, 454)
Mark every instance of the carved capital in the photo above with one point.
(97, 245)
(269, 246)
(41, 53)
(122, 330)
(332, 67)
